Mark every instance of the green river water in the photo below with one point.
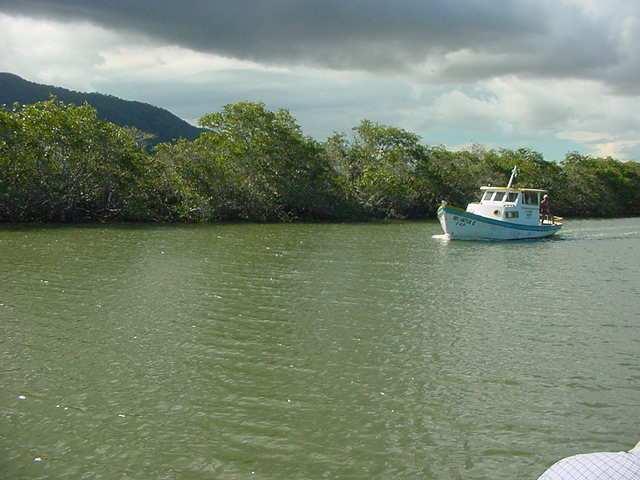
(309, 351)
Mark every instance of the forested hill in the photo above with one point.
(161, 123)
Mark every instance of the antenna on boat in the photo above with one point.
(514, 174)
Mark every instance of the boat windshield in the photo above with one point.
(499, 197)
(531, 198)
(487, 195)
(512, 197)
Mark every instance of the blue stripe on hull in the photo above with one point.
(501, 223)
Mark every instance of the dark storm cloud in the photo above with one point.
(367, 34)
(535, 37)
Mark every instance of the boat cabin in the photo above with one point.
(517, 205)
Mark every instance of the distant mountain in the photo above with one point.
(160, 122)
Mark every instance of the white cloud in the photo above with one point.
(607, 144)
(48, 52)
(585, 112)
(80, 55)
(584, 136)
(170, 61)
(620, 149)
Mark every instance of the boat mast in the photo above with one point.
(514, 174)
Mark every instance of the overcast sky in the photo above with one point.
(553, 75)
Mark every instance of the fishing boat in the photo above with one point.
(503, 213)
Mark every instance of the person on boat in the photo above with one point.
(545, 209)
(597, 466)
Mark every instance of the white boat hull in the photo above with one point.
(459, 224)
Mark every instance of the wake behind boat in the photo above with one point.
(503, 213)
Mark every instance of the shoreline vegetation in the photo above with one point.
(59, 163)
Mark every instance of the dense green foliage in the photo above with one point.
(162, 125)
(62, 163)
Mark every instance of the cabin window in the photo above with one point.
(531, 198)
(499, 197)
(512, 197)
(511, 214)
(487, 196)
